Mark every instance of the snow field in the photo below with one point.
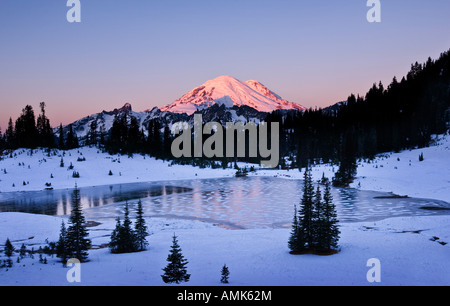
(405, 247)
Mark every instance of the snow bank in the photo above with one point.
(408, 253)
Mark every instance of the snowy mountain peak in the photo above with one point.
(229, 91)
(126, 108)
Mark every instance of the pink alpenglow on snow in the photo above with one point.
(228, 91)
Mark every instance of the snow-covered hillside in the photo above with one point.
(229, 91)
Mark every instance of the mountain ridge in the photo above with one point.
(223, 99)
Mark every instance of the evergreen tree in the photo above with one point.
(61, 249)
(167, 143)
(61, 144)
(347, 163)
(26, 133)
(44, 129)
(134, 141)
(93, 133)
(296, 241)
(328, 228)
(124, 238)
(1, 141)
(128, 237)
(140, 228)
(306, 213)
(317, 217)
(72, 139)
(114, 243)
(9, 248)
(23, 250)
(77, 242)
(102, 135)
(315, 229)
(175, 271)
(10, 135)
(225, 273)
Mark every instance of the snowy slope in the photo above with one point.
(228, 91)
(404, 246)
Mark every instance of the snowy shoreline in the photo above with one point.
(399, 173)
(409, 250)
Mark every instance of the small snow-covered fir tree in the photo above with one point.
(123, 238)
(9, 248)
(225, 275)
(175, 271)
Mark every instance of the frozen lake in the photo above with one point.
(247, 202)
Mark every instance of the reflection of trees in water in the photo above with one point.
(58, 202)
(247, 202)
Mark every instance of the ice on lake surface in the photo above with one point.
(245, 202)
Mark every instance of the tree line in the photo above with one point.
(401, 116)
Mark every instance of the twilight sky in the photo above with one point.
(149, 53)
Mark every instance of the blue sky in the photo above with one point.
(149, 53)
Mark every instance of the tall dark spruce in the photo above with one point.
(140, 228)
(306, 213)
(328, 222)
(77, 244)
(314, 228)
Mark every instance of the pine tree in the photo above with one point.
(10, 135)
(225, 275)
(26, 133)
(124, 238)
(23, 251)
(61, 249)
(77, 242)
(72, 141)
(114, 243)
(127, 236)
(45, 131)
(317, 217)
(167, 153)
(175, 271)
(347, 163)
(9, 248)
(296, 241)
(306, 216)
(134, 141)
(140, 228)
(61, 144)
(330, 231)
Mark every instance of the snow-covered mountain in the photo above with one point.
(229, 91)
(224, 99)
(103, 121)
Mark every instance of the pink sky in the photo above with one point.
(151, 53)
